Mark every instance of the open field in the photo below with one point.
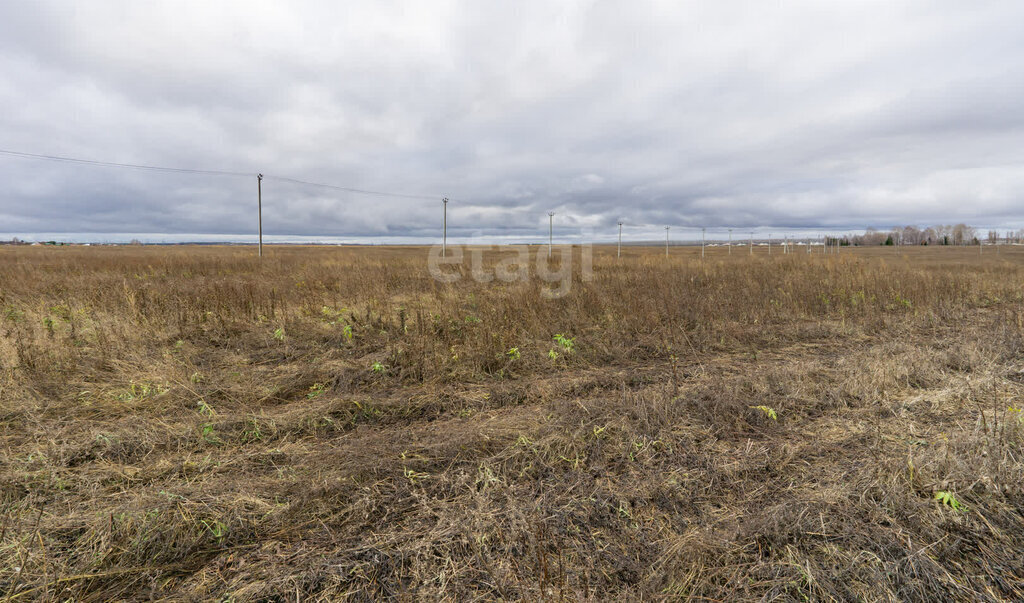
(333, 423)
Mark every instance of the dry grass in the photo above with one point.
(190, 423)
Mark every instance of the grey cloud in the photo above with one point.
(736, 114)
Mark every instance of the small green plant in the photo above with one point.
(768, 411)
(513, 353)
(1019, 412)
(279, 333)
(315, 390)
(946, 498)
(414, 476)
(347, 332)
(377, 367)
(567, 343)
(217, 529)
(210, 434)
(205, 409)
(253, 432)
(553, 355)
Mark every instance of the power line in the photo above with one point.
(158, 168)
(133, 166)
(352, 190)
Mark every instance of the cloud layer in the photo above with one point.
(760, 114)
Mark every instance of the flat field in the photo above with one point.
(192, 423)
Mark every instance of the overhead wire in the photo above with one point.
(178, 170)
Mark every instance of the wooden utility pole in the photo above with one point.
(259, 208)
(444, 237)
(619, 252)
(551, 219)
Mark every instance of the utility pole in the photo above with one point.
(551, 220)
(702, 243)
(730, 241)
(618, 253)
(259, 208)
(666, 240)
(769, 243)
(751, 242)
(444, 237)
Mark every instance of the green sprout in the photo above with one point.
(946, 498)
(768, 411)
(205, 409)
(567, 343)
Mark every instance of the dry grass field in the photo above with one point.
(191, 423)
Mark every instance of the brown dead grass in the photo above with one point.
(157, 440)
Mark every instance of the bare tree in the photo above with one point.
(911, 235)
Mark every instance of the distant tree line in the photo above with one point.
(942, 234)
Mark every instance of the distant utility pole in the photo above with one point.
(769, 243)
(259, 208)
(702, 230)
(551, 220)
(666, 240)
(751, 242)
(730, 241)
(444, 237)
(618, 253)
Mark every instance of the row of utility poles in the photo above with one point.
(826, 247)
(618, 252)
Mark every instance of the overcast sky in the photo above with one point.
(774, 114)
